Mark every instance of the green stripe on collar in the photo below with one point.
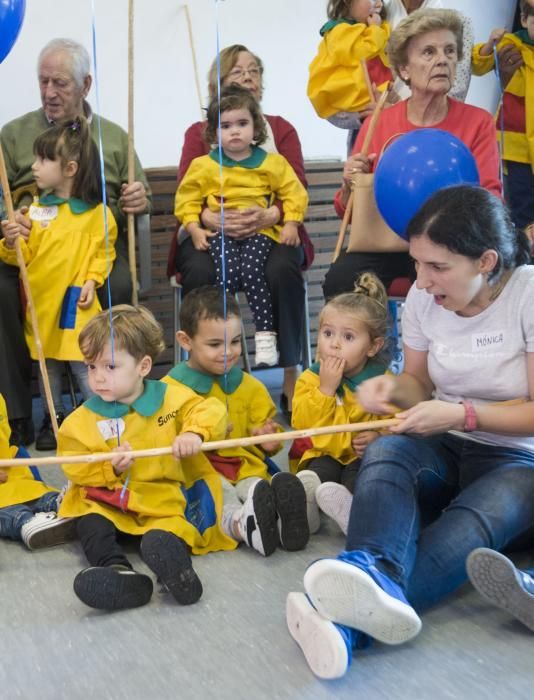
(373, 368)
(77, 206)
(146, 405)
(328, 26)
(202, 383)
(522, 34)
(255, 159)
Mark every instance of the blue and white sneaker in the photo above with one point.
(351, 591)
(326, 646)
(498, 581)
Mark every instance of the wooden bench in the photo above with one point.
(322, 223)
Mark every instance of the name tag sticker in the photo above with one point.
(112, 428)
(43, 214)
(481, 342)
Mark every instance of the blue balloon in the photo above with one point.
(415, 166)
(11, 17)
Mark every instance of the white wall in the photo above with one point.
(283, 32)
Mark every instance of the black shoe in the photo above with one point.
(114, 587)
(290, 502)
(168, 557)
(284, 407)
(22, 432)
(46, 440)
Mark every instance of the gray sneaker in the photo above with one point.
(502, 584)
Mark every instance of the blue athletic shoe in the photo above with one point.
(351, 591)
(326, 646)
(501, 583)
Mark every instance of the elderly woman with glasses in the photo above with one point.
(285, 264)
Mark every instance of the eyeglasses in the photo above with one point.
(238, 73)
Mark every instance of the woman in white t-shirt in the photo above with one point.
(458, 473)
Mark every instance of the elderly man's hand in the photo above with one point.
(133, 199)
(509, 61)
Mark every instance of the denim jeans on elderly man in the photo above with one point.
(479, 496)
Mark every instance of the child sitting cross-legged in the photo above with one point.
(28, 507)
(171, 502)
(258, 510)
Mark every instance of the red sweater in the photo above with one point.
(288, 145)
(472, 125)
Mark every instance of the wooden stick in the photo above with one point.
(28, 292)
(206, 446)
(368, 83)
(131, 157)
(368, 136)
(194, 58)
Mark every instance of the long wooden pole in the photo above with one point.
(365, 148)
(131, 157)
(206, 446)
(28, 292)
(194, 58)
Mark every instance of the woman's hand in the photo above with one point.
(241, 223)
(119, 462)
(430, 418)
(289, 235)
(510, 60)
(360, 441)
(376, 394)
(357, 163)
(87, 294)
(330, 375)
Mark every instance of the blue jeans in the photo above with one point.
(12, 518)
(473, 495)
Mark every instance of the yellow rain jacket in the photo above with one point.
(249, 406)
(313, 409)
(336, 80)
(66, 247)
(183, 497)
(21, 485)
(258, 180)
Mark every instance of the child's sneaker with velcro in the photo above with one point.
(290, 505)
(168, 557)
(256, 519)
(311, 482)
(335, 500)
(115, 587)
(266, 352)
(47, 530)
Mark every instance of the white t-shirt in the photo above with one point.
(481, 358)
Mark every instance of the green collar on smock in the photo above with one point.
(254, 160)
(202, 383)
(522, 34)
(77, 206)
(146, 405)
(373, 368)
(328, 26)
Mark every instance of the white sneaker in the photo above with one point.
(256, 519)
(266, 352)
(335, 500)
(47, 530)
(320, 640)
(311, 482)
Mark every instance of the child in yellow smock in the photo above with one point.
(172, 502)
(350, 60)
(67, 254)
(258, 510)
(515, 116)
(250, 177)
(352, 332)
(28, 507)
